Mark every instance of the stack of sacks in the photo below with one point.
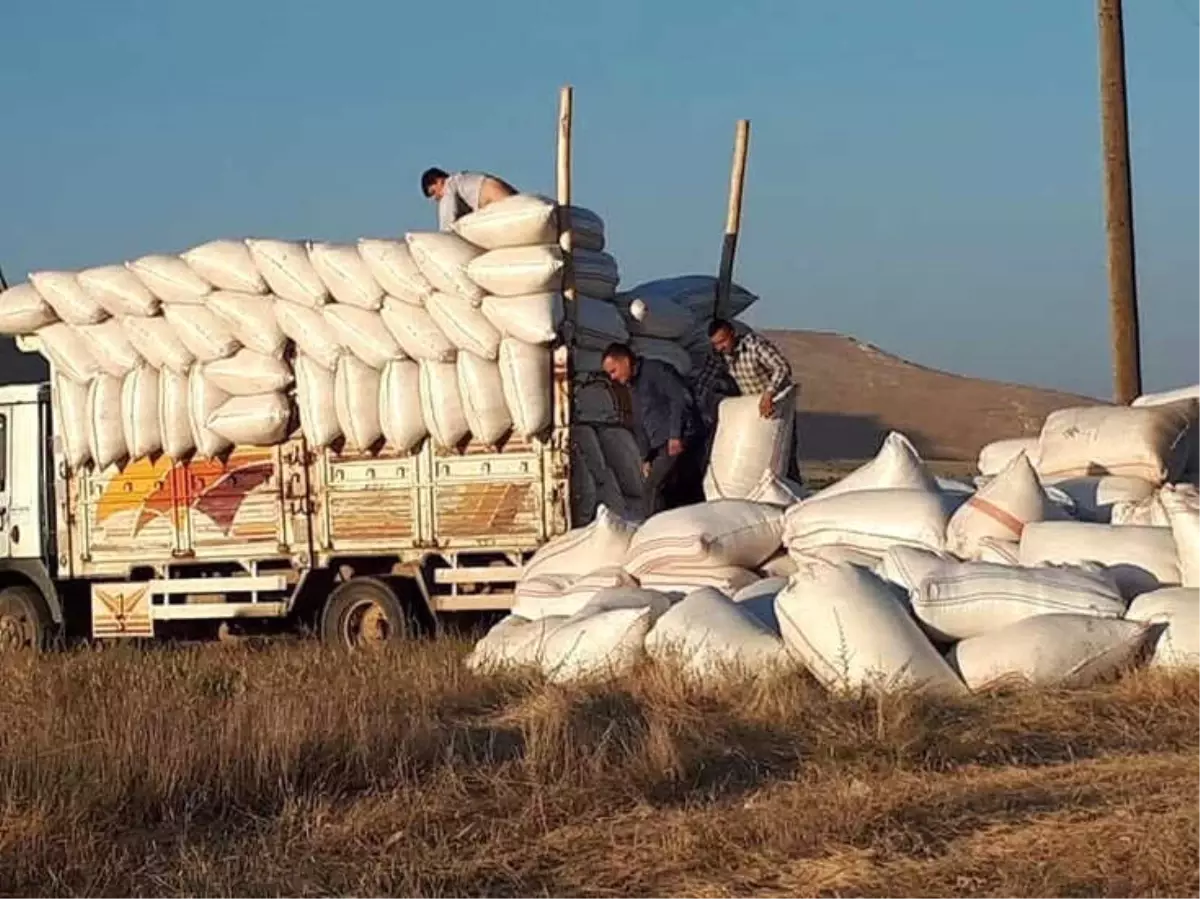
(384, 342)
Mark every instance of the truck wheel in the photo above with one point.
(24, 620)
(361, 612)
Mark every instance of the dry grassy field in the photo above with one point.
(291, 769)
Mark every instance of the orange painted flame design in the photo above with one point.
(213, 487)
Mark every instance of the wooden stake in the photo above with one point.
(1118, 204)
(733, 218)
(565, 236)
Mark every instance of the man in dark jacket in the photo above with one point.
(667, 425)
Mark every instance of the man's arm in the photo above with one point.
(447, 209)
(776, 364)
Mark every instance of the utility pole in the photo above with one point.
(1118, 205)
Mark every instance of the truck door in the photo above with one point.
(6, 420)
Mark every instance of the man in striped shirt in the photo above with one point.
(746, 365)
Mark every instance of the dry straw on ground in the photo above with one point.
(294, 770)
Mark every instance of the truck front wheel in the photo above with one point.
(361, 612)
(25, 623)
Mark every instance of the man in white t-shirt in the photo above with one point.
(462, 192)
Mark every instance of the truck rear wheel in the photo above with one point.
(363, 611)
(25, 623)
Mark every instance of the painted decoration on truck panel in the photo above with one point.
(162, 488)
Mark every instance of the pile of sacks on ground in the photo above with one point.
(891, 578)
(384, 342)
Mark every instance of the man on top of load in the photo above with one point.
(668, 428)
(746, 365)
(462, 192)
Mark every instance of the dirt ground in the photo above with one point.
(291, 769)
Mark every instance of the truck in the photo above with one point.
(364, 546)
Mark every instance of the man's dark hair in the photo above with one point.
(618, 351)
(430, 177)
(717, 325)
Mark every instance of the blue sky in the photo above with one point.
(923, 175)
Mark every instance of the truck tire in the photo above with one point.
(361, 612)
(25, 623)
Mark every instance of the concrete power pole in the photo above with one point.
(1118, 204)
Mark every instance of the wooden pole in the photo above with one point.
(1118, 204)
(565, 236)
(733, 217)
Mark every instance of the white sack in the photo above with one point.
(155, 340)
(356, 401)
(996, 456)
(871, 520)
(747, 446)
(1141, 559)
(596, 273)
(252, 320)
(288, 271)
(513, 643)
(1149, 442)
(110, 347)
(897, 466)
(227, 265)
(307, 328)
(139, 412)
(555, 595)
(202, 332)
(1167, 397)
(71, 421)
(597, 643)
(1093, 497)
(260, 420)
(174, 424)
(204, 398)
(708, 535)
(908, 566)
(464, 325)
(247, 373)
(1000, 510)
(530, 318)
(1049, 650)
(516, 271)
(977, 597)
(363, 333)
(623, 458)
(441, 404)
(776, 491)
(23, 311)
(106, 437)
(519, 220)
(727, 579)
(852, 633)
(416, 332)
(710, 636)
(170, 279)
(391, 263)
(598, 324)
(63, 292)
(444, 259)
(526, 377)
(316, 402)
(1176, 612)
(343, 271)
(1000, 552)
(1185, 529)
(1148, 512)
(400, 414)
(68, 352)
(118, 290)
(483, 400)
(601, 544)
(657, 317)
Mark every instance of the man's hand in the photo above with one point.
(766, 405)
(674, 446)
(645, 469)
